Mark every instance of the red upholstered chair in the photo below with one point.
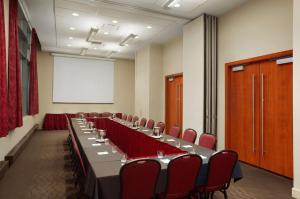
(124, 116)
(106, 114)
(150, 124)
(182, 175)
(80, 113)
(161, 126)
(135, 118)
(129, 118)
(189, 135)
(143, 122)
(220, 169)
(207, 141)
(93, 114)
(138, 179)
(175, 131)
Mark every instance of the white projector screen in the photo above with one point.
(79, 80)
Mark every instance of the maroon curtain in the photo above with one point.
(14, 71)
(33, 84)
(3, 80)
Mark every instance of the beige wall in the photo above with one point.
(193, 70)
(7, 143)
(123, 89)
(296, 109)
(256, 28)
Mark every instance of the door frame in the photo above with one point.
(228, 66)
(166, 91)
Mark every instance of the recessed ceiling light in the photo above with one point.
(69, 45)
(177, 5)
(125, 44)
(72, 28)
(75, 14)
(136, 37)
(149, 27)
(95, 48)
(70, 38)
(114, 21)
(106, 33)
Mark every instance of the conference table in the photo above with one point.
(103, 160)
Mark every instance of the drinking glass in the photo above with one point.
(124, 158)
(178, 144)
(160, 154)
(113, 149)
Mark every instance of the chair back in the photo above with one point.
(106, 114)
(138, 179)
(143, 122)
(207, 141)
(124, 116)
(93, 114)
(161, 126)
(220, 168)
(80, 113)
(135, 118)
(129, 118)
(189, 135)
(182, 175)
(150, 124)
(175, 131)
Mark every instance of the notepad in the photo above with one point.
(92, 138)
(187, 146)
(82, 126)
(87, 129)
(96, 144)
(203, 157)
(80, 123)
(102, 153)
(145, 130)
(87, 132)
(166, 161)
(170, 140)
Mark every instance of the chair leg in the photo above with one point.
(212, 195)
(225, 194)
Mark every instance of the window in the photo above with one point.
(24, 46)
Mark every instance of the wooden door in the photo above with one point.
(174, 99)
(243, 121)
(276, 143)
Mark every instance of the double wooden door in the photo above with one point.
(174, 98)
(259, 111)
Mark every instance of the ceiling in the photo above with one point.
(54, 18)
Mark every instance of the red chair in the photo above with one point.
(189, 135)
(207, 141)
(106, 114)
(143, 122)
(138, 179)
(220, 169)
(161, 126)
(93, 114)
(135, 118)
(175, 131)
(129, 118)
(124, 117)
(150, 124)
(182, 175)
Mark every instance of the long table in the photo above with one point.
(103, 161)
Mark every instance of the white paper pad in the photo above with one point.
(79, 119)
(170, 140)
(102, 153)
(187, 146)
(145, 130)
(96, 144)
(203, 157)
(80, 123)
(92, 138)
(166, 161)
(87, 132)
(82, 126)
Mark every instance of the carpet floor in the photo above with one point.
(41, 172)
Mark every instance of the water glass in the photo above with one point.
(178, 144)
(113, 149)
(124, 158)
(160, 154)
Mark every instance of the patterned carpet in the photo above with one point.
(41, 172)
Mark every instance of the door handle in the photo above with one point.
(253, 113)
(262, 115)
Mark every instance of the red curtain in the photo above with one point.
(33, 84)
(14, 71)
(3, 80)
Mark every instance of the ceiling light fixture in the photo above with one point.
(114, 21)
(106, 33)
(92, 34)
(83, 51)
(111, 53)
(75, 14)
(72, 28)
(69, 45)
(127, 39)
(171, 3)
(149, 27)
(70, 38)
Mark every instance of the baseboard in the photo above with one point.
(3, 168)
(296, 193)
(16, 151)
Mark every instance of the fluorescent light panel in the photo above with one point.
(83, 51)
(127, 39)
(169, 4)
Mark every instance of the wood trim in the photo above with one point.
(3, 168)
(227, 82)
(18, 148)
